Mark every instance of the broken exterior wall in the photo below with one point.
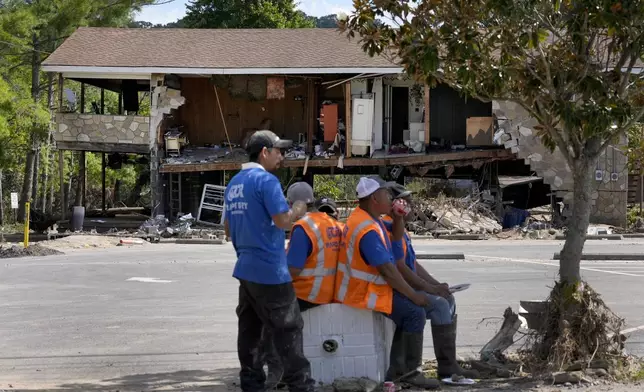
(96, 128)
(164, 100)
(609, 197)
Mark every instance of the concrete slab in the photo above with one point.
(440, 256)
(616, 237)
(607, 256)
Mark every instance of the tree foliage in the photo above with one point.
(235, 14)
(567, 63)
(29, 31)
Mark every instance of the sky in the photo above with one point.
(176, 9)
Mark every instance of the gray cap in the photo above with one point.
(300, 191)
(400, 192)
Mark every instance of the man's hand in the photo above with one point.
(442, 290)
(420, 299)
(299, 209)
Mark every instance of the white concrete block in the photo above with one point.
(363, 341)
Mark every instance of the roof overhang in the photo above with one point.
(145, 72)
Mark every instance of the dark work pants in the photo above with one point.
(269, 353)
(275, 308)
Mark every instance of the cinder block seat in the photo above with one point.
(341, 341)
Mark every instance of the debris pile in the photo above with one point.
(446, 215)
(12, 251)
(185, 226)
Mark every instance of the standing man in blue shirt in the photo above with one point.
(255, 219)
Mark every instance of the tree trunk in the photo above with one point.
(582, 173)
(27, 182)
(34, 189)
(49, 155)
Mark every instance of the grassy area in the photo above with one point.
(14, 228)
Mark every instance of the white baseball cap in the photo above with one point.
(367, 186)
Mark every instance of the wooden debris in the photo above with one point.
(504, 338)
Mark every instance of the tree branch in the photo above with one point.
(623, 129)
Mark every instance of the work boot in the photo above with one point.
(396, 357)
(414, 361)
(444, 337)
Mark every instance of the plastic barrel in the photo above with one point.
(78, 216)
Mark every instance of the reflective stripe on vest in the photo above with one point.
(319, 272)
(357, 274)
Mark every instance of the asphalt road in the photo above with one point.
(163, 316)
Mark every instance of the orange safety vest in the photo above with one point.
(316, 282)
(389, 219)
(357, 283)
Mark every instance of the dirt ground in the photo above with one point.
(65, 245)
(81, 242)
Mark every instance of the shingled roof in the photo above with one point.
(212, 49)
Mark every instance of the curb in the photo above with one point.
(598, 237)
(193, 241)
(459, 237)
(633, 235)
(607, 256)
(438, 256)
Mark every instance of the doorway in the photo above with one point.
(399, 113)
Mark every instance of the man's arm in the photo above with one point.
(397, 228)
(434, 287)
(424, 275)
(299, 249)
(226, 229)
(276, 204)
(376, 254)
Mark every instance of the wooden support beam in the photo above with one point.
(82, 169)
(347, 115)
(82, 99)
(61, 172)
(103, 164)
(61, 85)
(426, 103)
(102, 101)
(310, 114)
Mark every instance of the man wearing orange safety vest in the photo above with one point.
(367, 276)
(312, 254)
(441, 308)
(312, 258)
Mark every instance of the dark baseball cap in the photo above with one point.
(268, 139)
(400, 192)
(326, 203)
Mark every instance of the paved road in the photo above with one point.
(81, 322)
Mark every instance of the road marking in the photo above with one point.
(541, 262)
(149, 280)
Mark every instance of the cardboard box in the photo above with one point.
(480, 131)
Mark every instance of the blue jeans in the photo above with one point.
(440, 310)
(407, 316)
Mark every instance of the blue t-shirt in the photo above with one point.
(252, 197)
(399, 252)
(299, 248)
(374, 251)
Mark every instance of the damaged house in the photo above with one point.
(346, 112)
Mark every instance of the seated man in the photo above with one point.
(441, 308)
(367, 277)
(312, 258)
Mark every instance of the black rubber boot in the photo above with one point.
(396, 357)
(414, 360)
(444, 337)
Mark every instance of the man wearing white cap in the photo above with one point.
(367, 276)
